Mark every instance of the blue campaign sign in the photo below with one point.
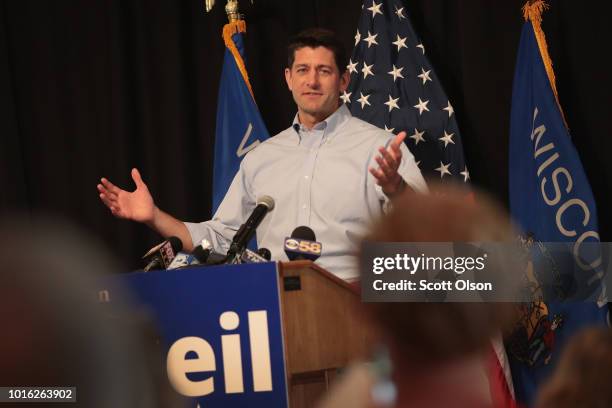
(223, 332)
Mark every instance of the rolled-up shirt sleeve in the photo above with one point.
(233, 210)
(410, 171)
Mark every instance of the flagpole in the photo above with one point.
(208, 4)
(532, 12)
(239, 126)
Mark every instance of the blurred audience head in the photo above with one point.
(432, 333)
(55, 333)
(582, 377)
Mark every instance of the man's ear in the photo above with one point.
(345, 78)
(288, 78)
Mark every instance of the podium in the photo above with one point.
(266, 334)
(323, 329)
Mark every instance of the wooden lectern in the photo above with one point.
(323, 327)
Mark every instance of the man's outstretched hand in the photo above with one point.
(388, 162)
(137, 205)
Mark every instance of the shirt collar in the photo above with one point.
(329, 126)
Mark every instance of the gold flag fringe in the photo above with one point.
(532, 11)
(238, 26)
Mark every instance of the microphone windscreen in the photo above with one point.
(267, 201)
(176, 243)
(264, 253)
(303, 232)
(201, 254)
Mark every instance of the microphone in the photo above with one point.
(202, 255)
(246, 231)
(181, 260)
(304, 232)
(205, 255)
(302, 245)
(264, 253)
(160, 256)
(249, 256)
(198, 256)
(202, 252)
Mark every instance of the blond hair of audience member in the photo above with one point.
(582, 378)
(437, 349)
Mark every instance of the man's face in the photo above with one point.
(315, 82)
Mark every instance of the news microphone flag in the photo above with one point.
(393, 86)
(240, 127)
(551, 200)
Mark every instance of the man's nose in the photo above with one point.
(312, 80)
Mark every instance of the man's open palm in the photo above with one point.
(137, 205)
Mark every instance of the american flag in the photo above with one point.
(394, 87)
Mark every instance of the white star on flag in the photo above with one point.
(375, 9)
(399, 12)
(450, 109)
(396, 72)
(447, 138)
(422, 106)
(371, 39)
(466, 174)
(367, 70)
(363, 100)
(357, 37)
(400, 79)
(418, 136)
(352, 66)
(400, 43)
(390, 130)
(424, 75)
(392, 103)
(443, 169)
(346, 97)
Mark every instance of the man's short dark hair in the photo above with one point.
(318, 37)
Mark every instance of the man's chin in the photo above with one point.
(318, 111)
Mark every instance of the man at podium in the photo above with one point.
(329, 171)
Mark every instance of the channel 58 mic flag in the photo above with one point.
(240, 127)
(393, 86)
(551, 200)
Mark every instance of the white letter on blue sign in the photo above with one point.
(260, 350)
(232, 356)
(178, 366)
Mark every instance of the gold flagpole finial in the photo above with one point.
(209, 5)
(231, 9)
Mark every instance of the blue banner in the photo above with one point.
(551, 200)
(240, 127)
(223, 332)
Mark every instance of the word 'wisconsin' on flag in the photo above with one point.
(552, 201)
(394, 87)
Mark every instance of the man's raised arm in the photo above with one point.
(139, 206)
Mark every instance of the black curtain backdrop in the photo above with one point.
(94, 88)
